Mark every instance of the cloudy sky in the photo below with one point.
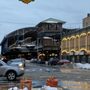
(14, 14)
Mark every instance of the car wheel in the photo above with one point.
(11, 75)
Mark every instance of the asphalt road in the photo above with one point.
(67, 76)
(42, 72)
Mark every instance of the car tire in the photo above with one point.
(11, 76)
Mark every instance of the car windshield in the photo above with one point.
(15, 60)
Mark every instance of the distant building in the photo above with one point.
(86, 21)
(17, 43)
(42, 41)
(75, 46)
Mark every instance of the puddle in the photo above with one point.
(65, 85)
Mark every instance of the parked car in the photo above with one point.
(10, 72)
(41, 62)
(53, 61)
(18, 62)
(33, 60)
(63, 61)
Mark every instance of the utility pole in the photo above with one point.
(60, 44)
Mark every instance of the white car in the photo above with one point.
(11, 72)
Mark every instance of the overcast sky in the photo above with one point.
(14, 14)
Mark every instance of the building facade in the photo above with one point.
(42, 41)
(16, 44)
(86, 21)
(48, 40)
(76, 45)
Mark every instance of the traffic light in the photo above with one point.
(26, 1)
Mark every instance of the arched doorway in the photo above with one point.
(83, 56)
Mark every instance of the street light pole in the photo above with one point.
(60, 45)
